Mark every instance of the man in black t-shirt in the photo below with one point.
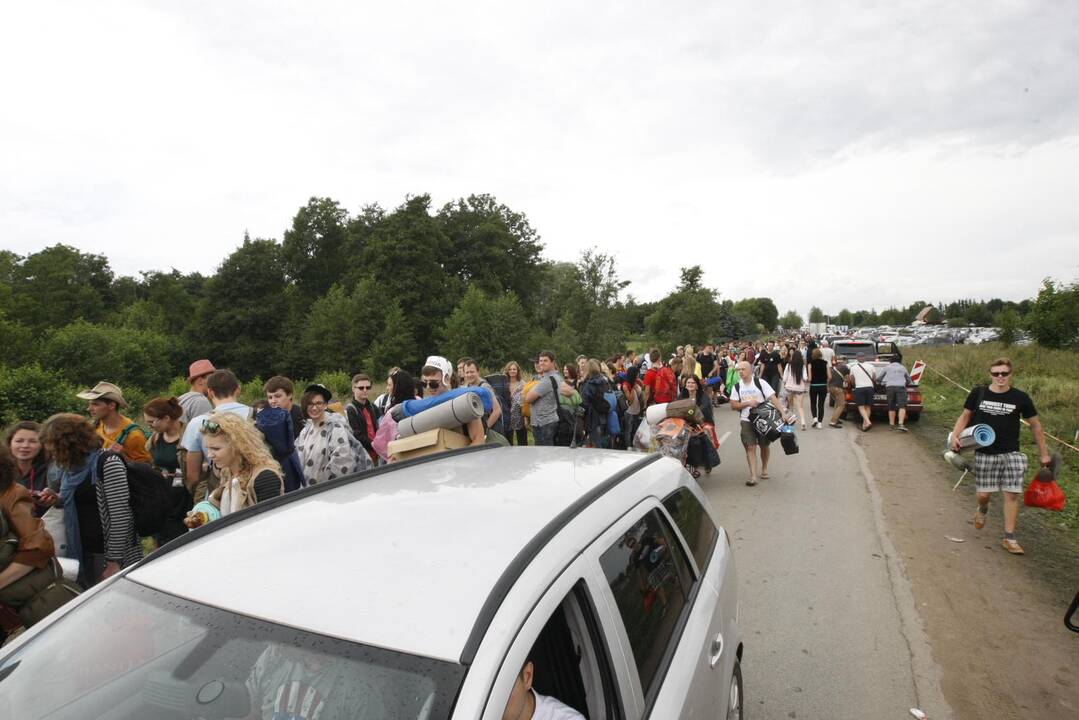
(768, 362)
(1000, 466)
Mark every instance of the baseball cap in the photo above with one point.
(199, 368)
(441, 364)
(104, 391)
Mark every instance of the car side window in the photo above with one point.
(694, 523)
(649, 577)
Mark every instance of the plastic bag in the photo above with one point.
(1044, 492)
(643, 440)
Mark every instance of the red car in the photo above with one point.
(880, 398)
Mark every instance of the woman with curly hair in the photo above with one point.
(249, 473)
(516, 429)
(94, 494)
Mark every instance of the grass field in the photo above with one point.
(1048, 376)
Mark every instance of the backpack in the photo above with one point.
(621, 404)
(148, 492)
(666, 383)
(127, 431)
(500, 384)
(275, 424)
(568, 432)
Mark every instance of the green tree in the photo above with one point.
(17, 346)
(1009, 322)
(845, 317)
(791, 321)
(691, 313)
(395, 343)
(60, 284)
(733, 325)
(28, 392)
(314, 248)
(492, 247)
(243, 315)
(816, 315)
(490, 329)
(86, 353)
(762, 310)
(1054, 318)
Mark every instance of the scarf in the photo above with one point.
(70, 481)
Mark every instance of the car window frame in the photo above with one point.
(601, 545)
(578, 575)
(702, 570)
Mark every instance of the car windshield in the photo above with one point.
(136, 653)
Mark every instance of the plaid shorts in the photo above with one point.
(1005, 471)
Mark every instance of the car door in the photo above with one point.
(663, 616)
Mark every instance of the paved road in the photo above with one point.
(827, 613)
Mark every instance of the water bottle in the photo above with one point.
(178, 477)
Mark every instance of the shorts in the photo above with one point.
(749, 436)
(863, 396)
(897, 398)
(1003, 471)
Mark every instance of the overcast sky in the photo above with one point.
(831, 153)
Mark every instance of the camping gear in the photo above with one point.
(656, 413)
(672, 434)
(461, 410)
(766, 421)
(980, 435)
(1044, 492)
(788, 439)
(414, 407)
(426, 443)
(686, 409)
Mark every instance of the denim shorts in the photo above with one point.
(863, 396)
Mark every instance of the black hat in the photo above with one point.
(320, 389)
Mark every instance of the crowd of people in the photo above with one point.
(217, 455)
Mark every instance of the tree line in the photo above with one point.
(348, 292)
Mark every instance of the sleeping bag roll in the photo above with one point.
(461, 410)
(415, 407)
(656, 413)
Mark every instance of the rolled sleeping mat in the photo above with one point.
(461, 410)
(656, 413)
(980, 435)
(415, 407)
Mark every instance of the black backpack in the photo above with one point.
(148, 491)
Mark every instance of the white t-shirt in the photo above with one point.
(548, 708)
(743, 391)
(827, 354)
(863, 375)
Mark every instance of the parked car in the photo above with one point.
(415, 590)
(880, 398)
(868, 349)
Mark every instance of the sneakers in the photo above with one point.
(979, 518)
(1012, 546)
(902, 428)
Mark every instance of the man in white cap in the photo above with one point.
(118, 433)
(437, 378)
(194, 401)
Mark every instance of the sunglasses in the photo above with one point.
(209, 426)
(363, 387)
(1005, 373)
(432, 384)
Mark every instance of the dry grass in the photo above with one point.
(1050, 377)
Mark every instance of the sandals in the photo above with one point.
(751, 482)
(765, 476)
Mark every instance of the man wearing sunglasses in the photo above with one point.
(362, 415)
(437, 378)
(1000, 466)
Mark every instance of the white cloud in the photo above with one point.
(832, 153)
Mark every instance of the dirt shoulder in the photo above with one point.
(995, 621)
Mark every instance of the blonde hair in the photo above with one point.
(246, 441)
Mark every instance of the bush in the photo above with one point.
(30, 393)
(338, 381)
(1054, 318)
(86, 354)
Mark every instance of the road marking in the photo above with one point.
(724, 438)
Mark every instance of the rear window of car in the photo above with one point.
(694, 523)
(851, 348)
(650, 579)
(134, 653)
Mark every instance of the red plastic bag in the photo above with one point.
(1044, 492)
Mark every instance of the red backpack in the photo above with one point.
(666, 385)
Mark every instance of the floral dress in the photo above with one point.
(517, 418)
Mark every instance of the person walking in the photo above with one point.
(327, 447)
(249, 473)
(362, 415)
(837, 390)
(632, 390)
(117, 432)
(768, 362)
(1000, 467)
(596, 407)
(699, 452)
(194, 401)
(794, 381)
(818, 387)
(543, 399)
(748, 393)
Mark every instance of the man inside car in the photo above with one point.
(527, 704)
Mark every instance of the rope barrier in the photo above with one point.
(953, 382)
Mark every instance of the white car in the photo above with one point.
(416, 590)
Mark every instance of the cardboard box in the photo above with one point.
(426, 443)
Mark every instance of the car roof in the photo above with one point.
(402, 558)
